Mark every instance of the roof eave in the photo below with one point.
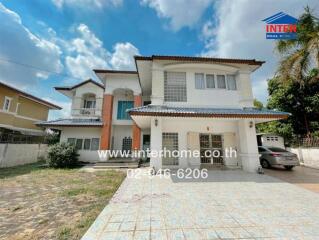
(203, 115)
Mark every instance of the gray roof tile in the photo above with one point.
(71, 122)
(159, 110)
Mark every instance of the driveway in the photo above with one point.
(226, 205)
(302, 176)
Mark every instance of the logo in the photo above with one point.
(281, 26)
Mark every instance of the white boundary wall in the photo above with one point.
(18, 154)
(307, 156)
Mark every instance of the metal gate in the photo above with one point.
(211, 149)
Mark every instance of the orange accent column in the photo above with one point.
(107, 122)
(136, 143)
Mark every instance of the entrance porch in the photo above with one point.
(187, 129)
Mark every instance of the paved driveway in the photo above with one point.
(302, 176)
(227, 205)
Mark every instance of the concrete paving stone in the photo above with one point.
(227, 205)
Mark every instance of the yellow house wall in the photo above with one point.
(27, 108)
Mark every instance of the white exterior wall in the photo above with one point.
(82, 132)
(248, 149)
(18, 154)
(77, 100)
(269, 143)
(227, 128)
(309, 157)
(118, 133)
(242, 97)
(122, 81)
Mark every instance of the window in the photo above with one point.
(89, 103)
(175, 87)
(170, 143)
(78, 144)
(121, 109)
(231, 82)
(87, 144)
(145, 103)
(6, 104)
(71, 141)
(95, 144)
(260, 149)
(127, 144)
(199, 81)
(210, 81)
(276, 149)
(221, 83)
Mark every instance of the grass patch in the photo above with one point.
(84, 195)
(21, 170)
(64, 233)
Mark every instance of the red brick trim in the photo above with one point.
(136, 131)
(107, 122)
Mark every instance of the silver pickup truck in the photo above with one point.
(272, 156)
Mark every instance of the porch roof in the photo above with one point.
(71, 122)
(170, 111)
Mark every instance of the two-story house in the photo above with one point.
(169, 102)
(19, 111)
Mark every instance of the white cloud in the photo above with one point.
(19, 44)
(240, 33)
(87, 4)
(86, 52)
(63, 113)
(122, 58)
(181, 13)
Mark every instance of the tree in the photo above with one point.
(299, 99)
(300, 55)
(258, 104)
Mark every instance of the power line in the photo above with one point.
(39, 69)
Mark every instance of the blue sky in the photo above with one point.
(68, 38)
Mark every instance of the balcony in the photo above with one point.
(87, 112)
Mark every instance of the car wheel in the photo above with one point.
(265, 163)
(289, 167)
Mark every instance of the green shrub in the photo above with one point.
(62, 155)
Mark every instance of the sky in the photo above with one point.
(51, 43)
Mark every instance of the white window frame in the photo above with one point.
(73, 140)
(170, 160)
(209, 74)
(204, 86)
(17, 107)
(217, 75)
(175, 92)
(200, 82)
(5, 103)
(227, 82)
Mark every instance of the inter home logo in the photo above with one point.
(281, 26)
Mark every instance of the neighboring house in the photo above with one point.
(172, 102)
(270, 140)
(20, 110)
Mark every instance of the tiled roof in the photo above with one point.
(153, 110)
(80, 84)
(114, 71)
(200, 59)
(72, 122)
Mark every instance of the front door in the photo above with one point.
(211, 149)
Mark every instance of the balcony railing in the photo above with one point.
(86, 112)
